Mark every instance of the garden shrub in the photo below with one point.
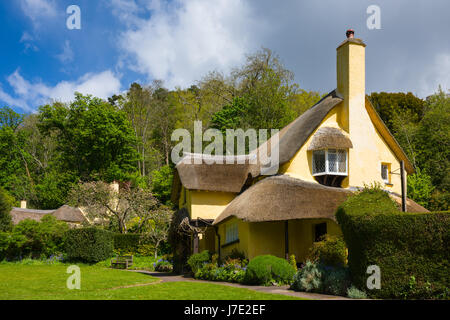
(355, 293)
(405, 246)
(308, 278)
(266, 269)
(233, 270)
(197, 260)
(293, 262)
(236, 254)
(163, 266)
(34, 239)
(89, 244)
(319, 278)
(330, 251)
(335, 280)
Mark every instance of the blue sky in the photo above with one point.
(122, 41)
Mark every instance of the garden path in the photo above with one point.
(170, 277)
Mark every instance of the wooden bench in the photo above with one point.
(126, 261)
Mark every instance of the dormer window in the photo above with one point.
(329, 147)
(330, 161)
(330, 166)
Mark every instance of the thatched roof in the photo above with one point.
(328, 137)
(19, 214)
(215, 177)
(411, 206)
(232, 177)
(64, 213)
(69, 214)
(282, 197)
(294, 135)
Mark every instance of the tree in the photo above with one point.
(269, 89)
(6, 203)
(420, 188)
(157, 229)
(162, 184)
(389, 104)
(434, 140)
(95, 138)
(10, 118)
(104, 204)
(231, 116)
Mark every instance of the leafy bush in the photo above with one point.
(89, 244)
(197, 260)
(34, 239)
(355, 293)
(233, 270)
(331, 251)
(293, 262)
(403, 245)
(236, 254)
(308, 278)
(319, 278)
(267, 269)
(335, 280)
(163, 266)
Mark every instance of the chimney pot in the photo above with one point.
(350, 33)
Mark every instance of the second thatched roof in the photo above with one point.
(328, 137)
(282, 197)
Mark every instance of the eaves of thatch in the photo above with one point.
(281, 197)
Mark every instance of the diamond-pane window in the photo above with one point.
(330, 161)
(342, 161)
(319, 161)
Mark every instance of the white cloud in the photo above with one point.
(37, 10)
(30, 95)
(67, 55)
(181, 41)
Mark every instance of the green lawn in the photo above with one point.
(47, 282)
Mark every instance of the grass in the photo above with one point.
(48, 282)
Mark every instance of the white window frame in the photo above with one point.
(231, 232)
(327, 171)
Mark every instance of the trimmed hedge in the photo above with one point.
(262, 270)
(411, 249)
(89, 244)
(132, 243)
(126, 243)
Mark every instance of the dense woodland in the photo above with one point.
(128, 138)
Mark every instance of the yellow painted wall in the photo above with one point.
(244, 237)
(204, 204)
(260, 238)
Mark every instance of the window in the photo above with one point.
(385, 172)
(231, 233)
(319, 231)
(330, 161)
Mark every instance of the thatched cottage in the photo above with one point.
(337, 146)
(74, 217)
